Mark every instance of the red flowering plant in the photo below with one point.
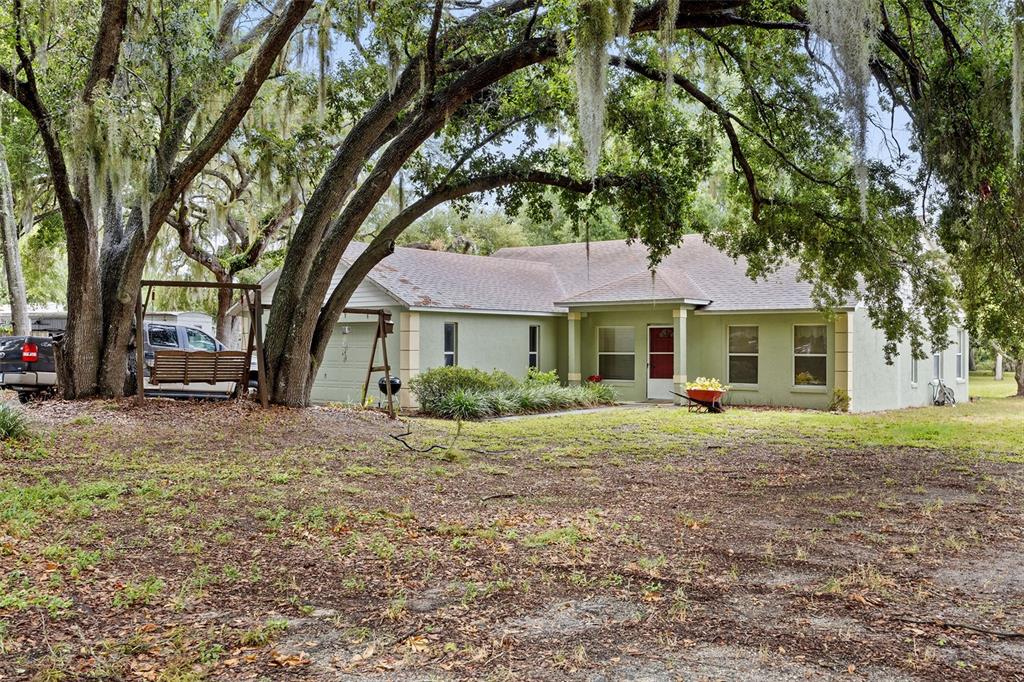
(594, 379)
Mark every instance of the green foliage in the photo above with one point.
(22, 507)
(264, 634)
(13, 423)
(471, 394)
(434, 385)
(840, 401)
(462, 404)
(138, 593)
(535, 376)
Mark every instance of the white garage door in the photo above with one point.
(341, 374)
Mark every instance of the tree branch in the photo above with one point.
(383, 243)
(232, 114)
(258, 247)
(107, 50)
(724, 116)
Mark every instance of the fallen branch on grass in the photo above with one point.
(498, 496)
(951, 625)
(400, 437)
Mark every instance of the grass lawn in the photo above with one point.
(984, 385)
(184, 542)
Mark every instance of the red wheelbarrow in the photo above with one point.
(703, 400)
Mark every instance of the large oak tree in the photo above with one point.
(126, 126)
(745, 120)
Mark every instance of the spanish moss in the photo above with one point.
(591, 69)
(1018, 66)
(667, 33)
(851, 27)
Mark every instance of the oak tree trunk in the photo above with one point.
(20, 321)
(226, 326)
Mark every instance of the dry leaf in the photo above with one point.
(368, 652)
(289, 660)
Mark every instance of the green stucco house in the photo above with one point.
(604, 313)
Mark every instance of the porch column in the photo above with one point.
(679, 336)
(408, 356)
(573, 375)
(844, 354)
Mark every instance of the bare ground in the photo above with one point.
(183, 542)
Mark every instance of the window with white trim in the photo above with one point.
(451, 344)
(913, 370)
(961, 351)
(616, 353)
(937, 365)
(743, 355)
(533, 353)
(810, 355)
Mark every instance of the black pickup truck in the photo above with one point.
(27, 363)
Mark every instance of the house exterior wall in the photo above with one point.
(881, 386)
(707, 346)
(490, 341)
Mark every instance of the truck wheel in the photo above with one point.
(24, 396)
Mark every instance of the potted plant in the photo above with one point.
(706, 390)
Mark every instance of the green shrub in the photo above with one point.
(600, 394)
(503, 401)
(501, 380)
(463, 404)
(13, 424)
(536, 377)
(432, 386)
(840, 401)
(465, 393)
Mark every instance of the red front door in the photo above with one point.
(660, 362)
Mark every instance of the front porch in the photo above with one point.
(647, 352)
(638, 350)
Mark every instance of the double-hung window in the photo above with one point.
(533, 354)
(961, 351)
(913, 370)
(937, 365)
(810, 355)
(451, 344)
(616, 353)
(743, 358)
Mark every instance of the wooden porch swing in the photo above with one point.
(210, 367)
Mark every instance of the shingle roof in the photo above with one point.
(438, 279)
(548, 279)
(693, 270)
(642, 286)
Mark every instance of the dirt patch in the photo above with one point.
(226, 542)
(571, 618)
(738, 664)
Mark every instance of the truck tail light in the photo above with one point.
(29, 352)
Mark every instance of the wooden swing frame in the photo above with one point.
(250, 296)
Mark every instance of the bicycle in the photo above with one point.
(942, 394)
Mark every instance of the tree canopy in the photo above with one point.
(239, 127)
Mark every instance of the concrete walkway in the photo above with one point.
(586, 410)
